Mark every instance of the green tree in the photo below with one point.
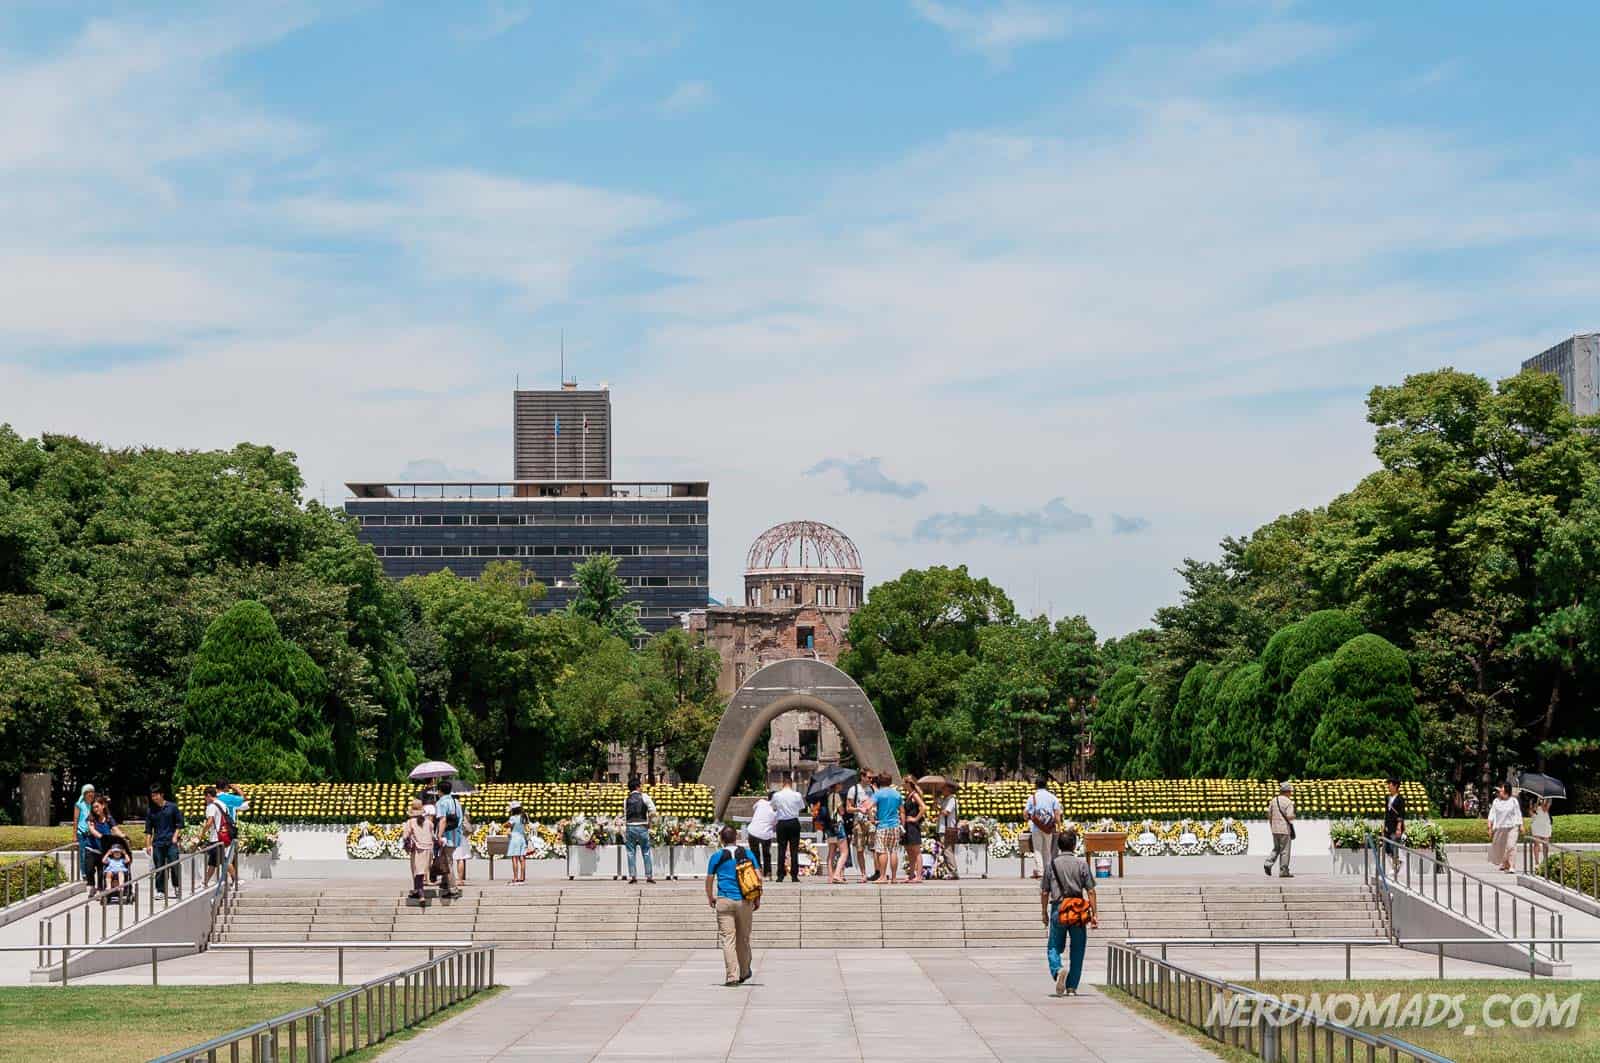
(1289, 653)
(680, 681)
(253, 706)
(1370, 727)
(910, 645)
(502, 662)
(603, 599)
(1466, 671)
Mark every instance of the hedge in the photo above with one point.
(40, 839)
(1564, 830)
(22, 877)
(1170, 799)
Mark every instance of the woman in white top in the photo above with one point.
(762, 829)
(1541, 829)
(1505, 823)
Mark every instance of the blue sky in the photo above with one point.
(1064, 292)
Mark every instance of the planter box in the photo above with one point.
(1349, 861)
(604, 861)
(688, 861)
(257, 865)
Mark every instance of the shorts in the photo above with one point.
(864, 832)
(886, 839)
(913, 834)
(214, 856)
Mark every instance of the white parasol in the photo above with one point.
(433, 769)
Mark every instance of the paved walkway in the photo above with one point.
(834, 1005)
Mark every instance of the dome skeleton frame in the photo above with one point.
(813, 546)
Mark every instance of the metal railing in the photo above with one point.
(129, 914)
(249, 948)
(153, 947)
(1244, 1018)
(1438, 944)
(38, 868)
(365, 1015)
(1580, 874)
(1509, 915)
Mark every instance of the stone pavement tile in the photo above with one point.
(778, 1030)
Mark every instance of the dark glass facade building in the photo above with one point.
(656, 531)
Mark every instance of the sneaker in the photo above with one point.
(1061, 983)
(746, 977)
(1284, 874)
(633, 882)
(1266, 868)
(650, 881)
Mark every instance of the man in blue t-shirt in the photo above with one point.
(886, 840)
(735, 915)
(447, 810)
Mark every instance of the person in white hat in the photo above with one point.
(1280, 818)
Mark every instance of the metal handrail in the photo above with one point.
(27, 861)
(226, 885)
(249, 949)
(1418, 884)
(1351, 943)
(154, 946)
(1581, 857)
(1274, 1028)
(370, 1013)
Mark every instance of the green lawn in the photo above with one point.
(1483, 1045)
(111, 1023)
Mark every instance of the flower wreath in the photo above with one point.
(1144, 839)
(1187, 837)
(1231, 839)
(366, 842)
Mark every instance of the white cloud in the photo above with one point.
(687, 97)
(528, 235)
(497, 17)
(1089, 312)
(996, 29)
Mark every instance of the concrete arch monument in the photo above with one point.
(780, 687)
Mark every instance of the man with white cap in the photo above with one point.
(1280, 819)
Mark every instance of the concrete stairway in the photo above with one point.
(674, 915)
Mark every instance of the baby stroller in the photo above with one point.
(128, 893)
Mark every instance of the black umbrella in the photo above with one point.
(1541, 785)
(824, 780)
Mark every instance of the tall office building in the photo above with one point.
(656, 531)
(562, 435)
(1577, 362)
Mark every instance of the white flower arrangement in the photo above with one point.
(1231, 839)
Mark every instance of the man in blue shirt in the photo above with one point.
(735, 915)
(82, 810)
(889, 803)
(447, 811)
(162, 822)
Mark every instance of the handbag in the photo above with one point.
(1073, 911)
